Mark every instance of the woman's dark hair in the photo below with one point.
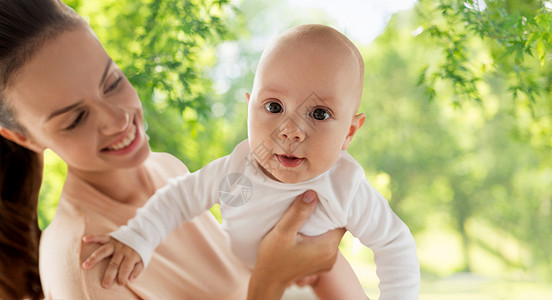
(20, 179)
(25, 25)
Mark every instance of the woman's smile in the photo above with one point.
(126, 142)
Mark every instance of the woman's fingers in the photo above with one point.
(330, 239)
(325, 246)
(298, 213)
(100, 254)
(309, 280)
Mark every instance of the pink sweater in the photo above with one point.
(194, 262)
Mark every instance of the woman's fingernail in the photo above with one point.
(309, 196)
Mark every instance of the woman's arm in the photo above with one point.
(284, 255)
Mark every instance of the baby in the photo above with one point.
(302, 116)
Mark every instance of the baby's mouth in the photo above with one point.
(289, 161)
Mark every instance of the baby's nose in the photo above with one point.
(291, 131)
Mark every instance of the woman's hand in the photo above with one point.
(285, 256)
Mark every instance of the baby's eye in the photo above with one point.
(274, 107)
(320, 114)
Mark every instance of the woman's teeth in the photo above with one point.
(126, 141)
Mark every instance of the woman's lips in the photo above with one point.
(289, 161)
(126, 141)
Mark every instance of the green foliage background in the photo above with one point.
(457, 95)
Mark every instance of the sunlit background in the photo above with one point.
(470, 178)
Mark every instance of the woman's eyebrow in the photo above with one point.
(72, 106)
(109, 61)
(63, 110)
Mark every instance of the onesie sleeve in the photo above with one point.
(183, 198)
(372, 221)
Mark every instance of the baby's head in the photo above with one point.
(303, 108)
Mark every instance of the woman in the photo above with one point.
(60, 90)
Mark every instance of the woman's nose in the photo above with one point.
(114, 119)
(292, 132)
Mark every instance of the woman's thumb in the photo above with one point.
(299, 211)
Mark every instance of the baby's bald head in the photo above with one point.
(326, 41)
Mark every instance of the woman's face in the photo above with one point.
(73, 99)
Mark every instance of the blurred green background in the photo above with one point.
(458, 134)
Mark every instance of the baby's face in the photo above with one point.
(302, 111)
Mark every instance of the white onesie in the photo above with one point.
(251, 203)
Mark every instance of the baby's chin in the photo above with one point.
(290, 176)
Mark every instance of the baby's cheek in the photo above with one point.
(325, 157)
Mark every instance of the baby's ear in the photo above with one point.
(356, 123)
(247, 96)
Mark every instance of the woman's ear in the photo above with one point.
(247, 97)
(356, 123)
(20, 139)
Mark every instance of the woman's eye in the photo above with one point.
(274, 107)
(76, 122)
(113, 85)
(320, 114)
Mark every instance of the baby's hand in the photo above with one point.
(125, 263)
